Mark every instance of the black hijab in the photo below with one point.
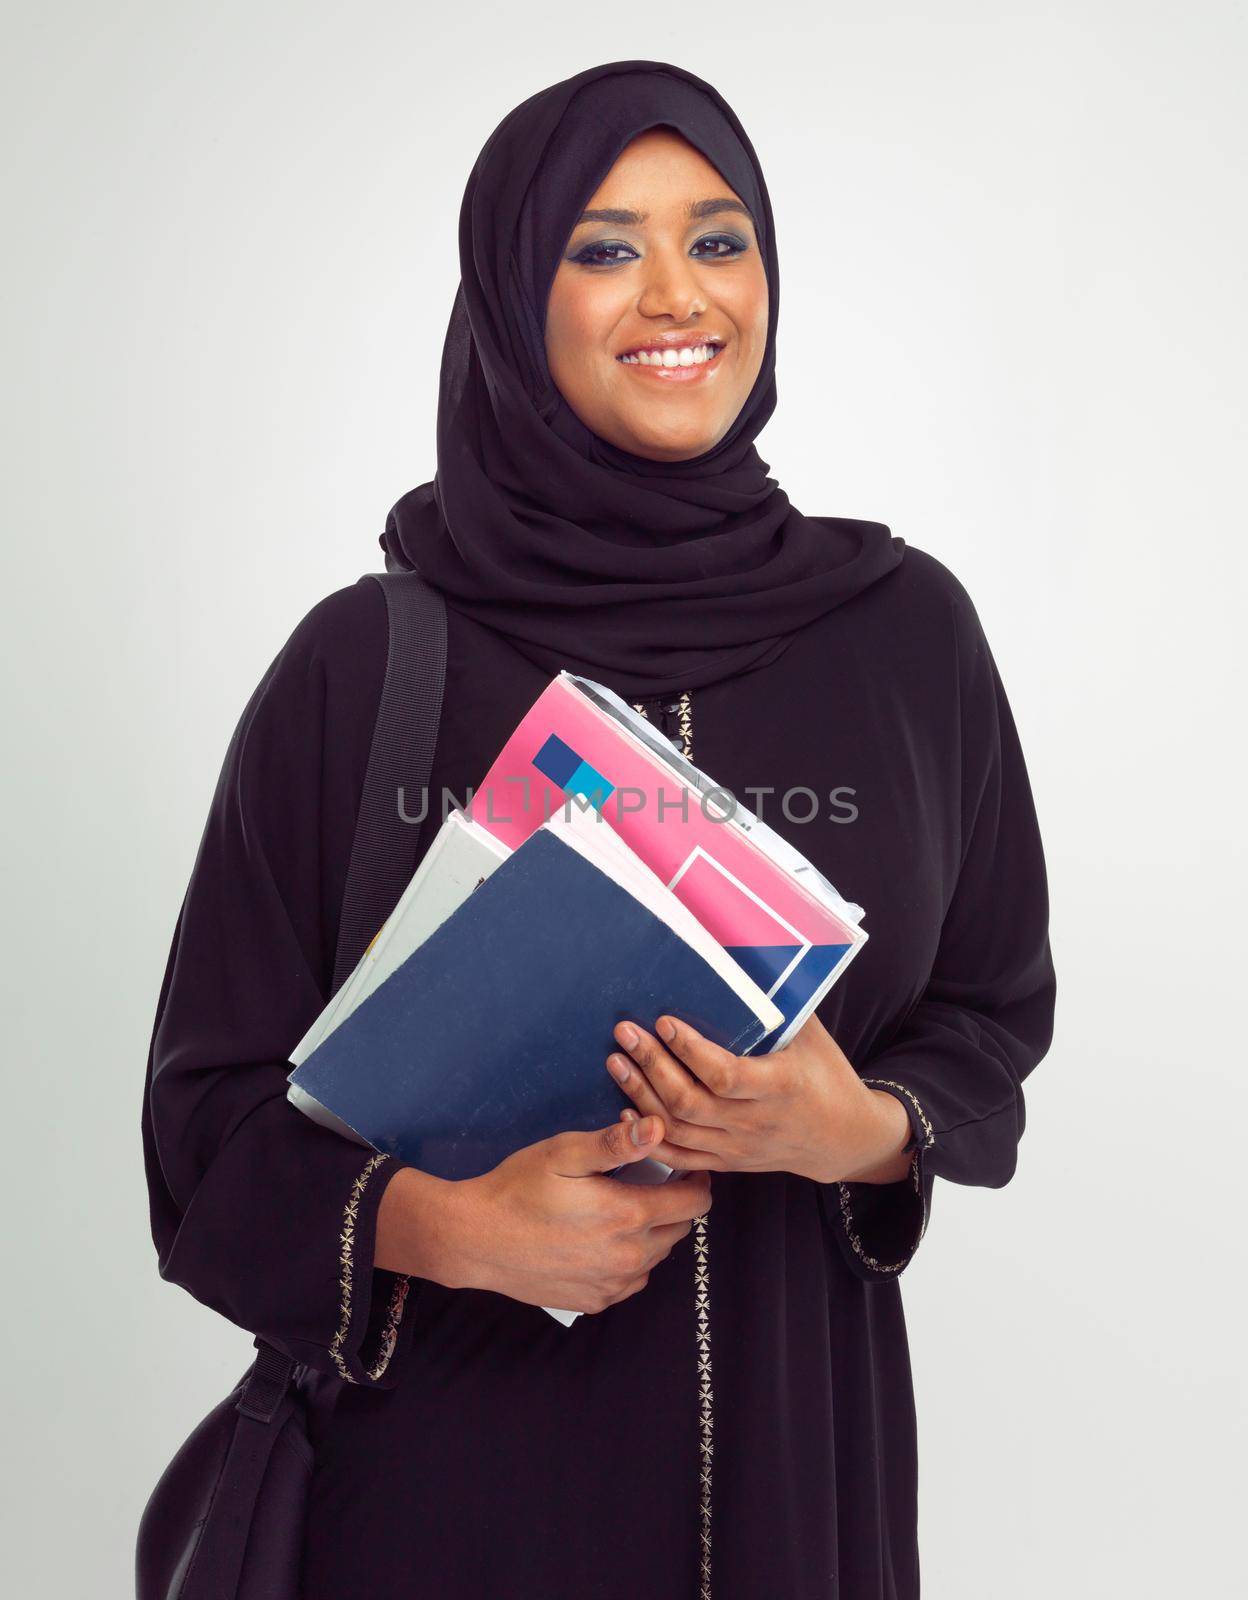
(651, 576)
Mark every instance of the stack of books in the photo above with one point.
(597, 876)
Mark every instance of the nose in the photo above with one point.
(671, 286)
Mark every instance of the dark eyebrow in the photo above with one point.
(696, 209)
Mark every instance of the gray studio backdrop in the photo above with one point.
(1012, 329)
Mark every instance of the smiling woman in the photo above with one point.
(649, 301)
(733, 1417)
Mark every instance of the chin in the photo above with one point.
(681, 445)
(673, 452)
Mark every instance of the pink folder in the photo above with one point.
(794, 941)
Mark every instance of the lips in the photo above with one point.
(698, 353)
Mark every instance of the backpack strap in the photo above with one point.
(384, 846)
(382, 855)
(400, 757)
(220, 1543)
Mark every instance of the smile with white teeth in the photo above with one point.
(689, 355)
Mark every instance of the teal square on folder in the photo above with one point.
(589, 784)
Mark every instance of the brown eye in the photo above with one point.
(602, 254)
(725, 246)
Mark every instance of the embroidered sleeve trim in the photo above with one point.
(916, 1182)
(929, 1138)
(346, 1262)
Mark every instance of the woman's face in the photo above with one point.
(664, 258)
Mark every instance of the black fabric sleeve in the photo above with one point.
(958, 1059)
(255, 1210)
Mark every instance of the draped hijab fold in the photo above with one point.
(652, 576)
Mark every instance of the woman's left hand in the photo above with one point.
(802, 1109)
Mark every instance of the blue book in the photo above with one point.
(494, 1032)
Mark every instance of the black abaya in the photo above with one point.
(478, 1448)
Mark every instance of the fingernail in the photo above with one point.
(617, 1069)
(629, 1114)
(667, 1028)
(637, 1133)
(628, 1036)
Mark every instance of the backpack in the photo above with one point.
(226, 1519)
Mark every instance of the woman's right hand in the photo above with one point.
(546, 1227)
